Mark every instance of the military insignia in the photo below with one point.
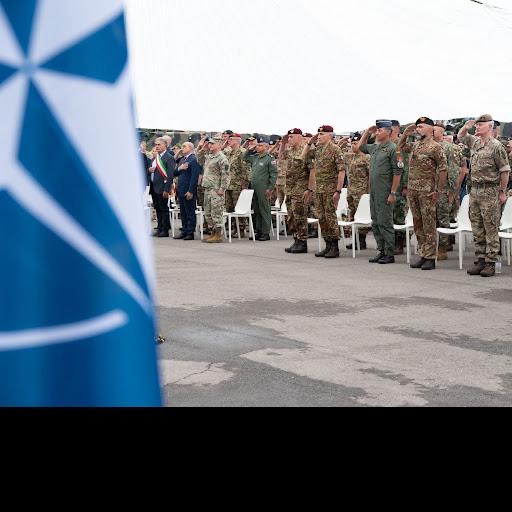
(423, 119)
(274, 162)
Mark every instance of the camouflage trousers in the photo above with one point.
(354, 198)
(444, 218)
(279, 193)
(300, 217)
(425, 223)
(232, 197)
(214, 208)
(399, 217)
(485, 214)
(327, 214)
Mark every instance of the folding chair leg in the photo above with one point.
(353, 242)
(238, 228)
(343, 241)
(408, 241)
(253, 234)
(230, 232)
(461, 250)
(278, 224)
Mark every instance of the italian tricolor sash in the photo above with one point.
(161, 167)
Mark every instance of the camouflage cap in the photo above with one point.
(440, 124)
(486, 118)
(215, 140)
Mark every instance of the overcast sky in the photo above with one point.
(267, 66)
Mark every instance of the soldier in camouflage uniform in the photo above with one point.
(358, 171)
(327, 168)
(297, 182)
(215, 183)
(203, 150)
(490, 172)
(448, 196)
(280, 190)
(428, 170)
(400, 210)
(239, 176)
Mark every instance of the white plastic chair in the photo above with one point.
(362, 218)
(174, 210)
(243, 210)
(312, 222)
(409, 224)
(200, 221)
(343, 209)
(464, 227)
(507, 237)
(280, 216)
(506, 218)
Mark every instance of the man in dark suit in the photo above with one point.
(161, 176)
(188, 173)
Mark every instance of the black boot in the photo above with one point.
(478, 268)
(378, 258)
(290, 249)
(325, 251)
(334, 251)
(387, 260)
(362, 243)
(300, 248)
(429, 265)
(419, 264)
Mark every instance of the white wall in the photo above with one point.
(266, 65)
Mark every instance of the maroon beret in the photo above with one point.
(326, 129)
(295, 131)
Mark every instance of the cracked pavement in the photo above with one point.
(250, 326)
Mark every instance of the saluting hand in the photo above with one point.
(469, 124)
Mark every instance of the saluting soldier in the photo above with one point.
(327, 169)
(448, 196)
(428, 170)
(263, 182)
(297, 181)
(490, 172)
(385, 178)
(358, 172)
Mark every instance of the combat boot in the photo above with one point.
(489, 270)
(429, 265)
(325, 251)
(334, 252)
(477, 269)
(301, 247)
(290, 249)
(378, 258)
(362, 243)
(399, 248)
(442, 254)
(216, 238)
(419, 264)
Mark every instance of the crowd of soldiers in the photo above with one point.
(424, 168)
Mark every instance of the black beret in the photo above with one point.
(394, 122)
(425, 120)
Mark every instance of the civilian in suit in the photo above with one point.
(160, 186)
(188, 176)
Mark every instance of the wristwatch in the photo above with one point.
(393, 193)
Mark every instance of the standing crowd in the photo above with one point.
(427, 168)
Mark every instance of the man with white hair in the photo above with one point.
(490, 172)
(188, 176)
(161, 175)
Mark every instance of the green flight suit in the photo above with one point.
(383, 168)
(263, 178)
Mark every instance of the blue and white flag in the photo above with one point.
(76, 310)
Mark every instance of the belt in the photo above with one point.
(485, 185)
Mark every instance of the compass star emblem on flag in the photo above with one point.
(74, 259)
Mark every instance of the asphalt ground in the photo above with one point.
(250, 326)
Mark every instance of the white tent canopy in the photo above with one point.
(267, 66)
